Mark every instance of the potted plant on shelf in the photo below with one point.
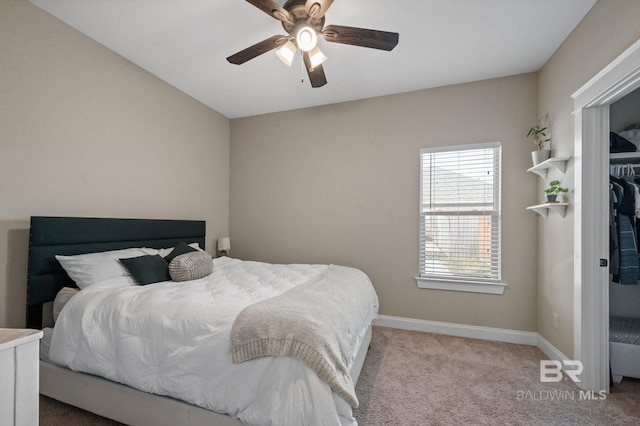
(540, 138)
(554, 190)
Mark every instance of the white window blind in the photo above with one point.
(460, 213)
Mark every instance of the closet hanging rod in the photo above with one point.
(623, 170)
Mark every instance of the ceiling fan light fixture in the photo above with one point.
(316, 57)
(306, 38)
(287, 52)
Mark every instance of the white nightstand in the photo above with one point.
(19, 369)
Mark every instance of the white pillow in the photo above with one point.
(164, 252)
(88, 269)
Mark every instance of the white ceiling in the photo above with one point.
(442, 42)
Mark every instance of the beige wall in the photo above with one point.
(84, 132)
(339, 184)
(608, 29)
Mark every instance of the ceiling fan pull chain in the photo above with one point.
(302, 69)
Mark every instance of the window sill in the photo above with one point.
(467, 286)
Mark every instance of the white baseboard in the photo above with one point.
(461, 330)
(549, 350)
(475, 332)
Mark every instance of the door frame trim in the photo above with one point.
(591, 209)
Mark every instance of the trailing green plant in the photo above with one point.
(539, 134)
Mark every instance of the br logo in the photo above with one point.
(551, 370)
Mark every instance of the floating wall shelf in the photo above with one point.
(558, 163)
(543, 209)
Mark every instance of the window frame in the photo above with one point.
(465, 284)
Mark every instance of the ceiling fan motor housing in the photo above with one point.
(299, 17)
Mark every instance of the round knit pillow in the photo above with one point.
(190, 266)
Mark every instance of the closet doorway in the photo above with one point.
(591, 239)
(624, 120)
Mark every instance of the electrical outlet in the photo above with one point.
(556, 319)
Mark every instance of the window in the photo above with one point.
(460, 218)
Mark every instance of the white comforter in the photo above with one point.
(174, 339)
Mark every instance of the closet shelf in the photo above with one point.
(558, 163)
(621, 157)
(543, 209)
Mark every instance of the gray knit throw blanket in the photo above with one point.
(317, 322)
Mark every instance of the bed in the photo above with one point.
(624, 348)
(265, 384)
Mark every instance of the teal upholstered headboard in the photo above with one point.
(49, 236)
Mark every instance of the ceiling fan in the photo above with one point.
(303, 20)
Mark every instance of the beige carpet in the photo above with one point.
(413, 378)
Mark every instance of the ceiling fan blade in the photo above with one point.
(257, 49)
(272, 9)
(317, 8)
(374, 39)
(316, 75)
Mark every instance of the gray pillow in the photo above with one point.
(147, 269)
(180, 248)
(190, 266)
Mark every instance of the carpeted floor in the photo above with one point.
(413, 378)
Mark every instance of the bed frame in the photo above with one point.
(71, 235)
